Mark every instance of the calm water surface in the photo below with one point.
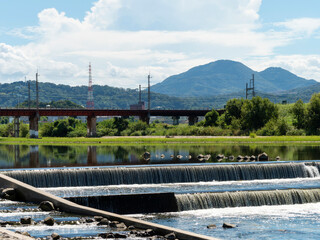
(22, 156)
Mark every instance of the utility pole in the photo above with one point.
(37, 90)
(29, 95)
(149, 100)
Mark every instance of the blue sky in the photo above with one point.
(125, 39)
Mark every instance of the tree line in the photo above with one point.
(257, 116)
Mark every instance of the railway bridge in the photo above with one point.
(92, 114)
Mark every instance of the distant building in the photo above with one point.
(139, 106)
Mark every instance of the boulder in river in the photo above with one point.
(263, 157)
(46, 206)
(48, 221)
(26, 220)
(9, 193)
(212, 226)
(55, 236)
(103, 221)
(228, 225)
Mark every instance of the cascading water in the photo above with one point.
(163, 174)
(246, 198)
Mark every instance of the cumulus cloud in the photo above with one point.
(303, 26)
(125, 39)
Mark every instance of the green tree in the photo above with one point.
(299, 112)
(233, 110)
(255, 113)
(313, 114)
(211, 118)
(120, 124)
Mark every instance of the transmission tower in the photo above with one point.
(90, 103)
(250, 88)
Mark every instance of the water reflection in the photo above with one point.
(35, 156)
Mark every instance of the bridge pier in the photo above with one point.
(175, 120)
(33, 126)
(91, 126)
(192, 120)
(16, 126)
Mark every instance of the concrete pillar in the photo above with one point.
(92, 155)
(175, 120)
(16, 126)
(91, 126)
(145, 119)
(33, 127)
(34, 156)
(192, 120)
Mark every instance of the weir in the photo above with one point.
(163, 174)
(246, 198)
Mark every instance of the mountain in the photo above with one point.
(225, 76)
(284, 79)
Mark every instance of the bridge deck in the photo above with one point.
(99, 112)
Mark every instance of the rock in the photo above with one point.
(48, 221)
(253, 158)
(116, 224)
(179, 156)
(9, 193)
(200, 156)
(220, 156)
(150, 232)
(207, 157)
(278, 158)
(119, 235)
(170, 236)
(231, 157)
(26, 220)
(26, 234)
(228, 225)
(146, 155)
(162, 156)
(131, 227)
(46, 206)
(239, 157)
(211, 226)
(55, 236)
(103, 221)
(263, 157)
(107, 235)
(87, 220)
(98, 218)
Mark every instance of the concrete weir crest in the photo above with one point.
(29, 193)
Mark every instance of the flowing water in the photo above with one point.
(266, 200)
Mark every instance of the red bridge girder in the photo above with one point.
(15, 112)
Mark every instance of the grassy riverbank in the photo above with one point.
(160, 140)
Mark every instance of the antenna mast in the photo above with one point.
(90, 103)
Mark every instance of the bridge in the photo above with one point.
(92, 114)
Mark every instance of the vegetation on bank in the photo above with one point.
(265, 140)
(255, 117)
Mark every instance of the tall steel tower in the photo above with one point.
(90, 103)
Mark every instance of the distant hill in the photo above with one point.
(225, 76)
(119, 98)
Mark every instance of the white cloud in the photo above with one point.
(306, 66)
(126, 39)
(301, 26)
